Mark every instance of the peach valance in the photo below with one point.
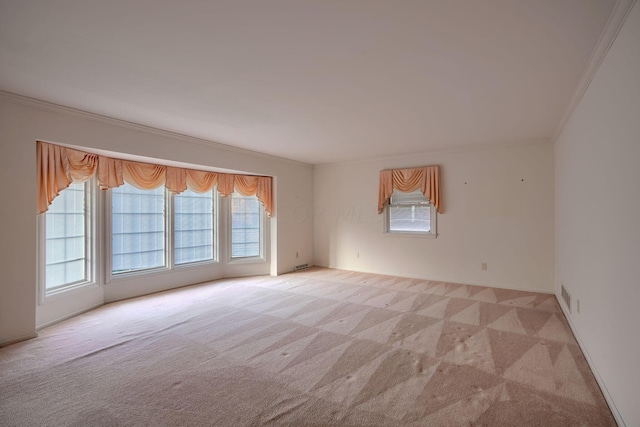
(426, 178)
(59, 166)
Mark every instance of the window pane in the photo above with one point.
(193, 227)
(65, 238)
(409, 212)
(138, 229)
(410, 218)
(245, 226)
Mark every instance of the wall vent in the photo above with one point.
(566, 296)
(301, 267)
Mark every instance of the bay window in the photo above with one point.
(146, 218)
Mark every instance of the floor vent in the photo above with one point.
(301, 267)
(566, 296)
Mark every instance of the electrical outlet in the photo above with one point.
(483, 266)
(578, 306)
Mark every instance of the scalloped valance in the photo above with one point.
(425, 178)
(59, 166)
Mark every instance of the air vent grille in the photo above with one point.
(301, 267)
(566, 296)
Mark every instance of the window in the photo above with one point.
(193, 227)
(67, 235)
(137, 229)
(410, 213)
(143, 238)
(246, 226)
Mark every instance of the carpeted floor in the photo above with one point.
(317, 348)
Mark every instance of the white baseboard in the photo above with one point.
(399, 274)
(34, 334)
(68, 316)
(599, 380)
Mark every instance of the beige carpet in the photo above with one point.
(317, 348)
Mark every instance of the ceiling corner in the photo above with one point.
(616, 20)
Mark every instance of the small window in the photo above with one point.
(67, 238)
(137, 229)
(246, 226)
(193, 227)
(410, 213)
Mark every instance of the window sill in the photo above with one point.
(137, 273)
(196, 264)
(247, 260)
(52, 294)
(411, 234)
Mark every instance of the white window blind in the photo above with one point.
(65, 238)
(245, 226)
(409, 212)
(138, 228)
(193, 227)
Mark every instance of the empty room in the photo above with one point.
(319, 213)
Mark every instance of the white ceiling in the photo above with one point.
(316, 81)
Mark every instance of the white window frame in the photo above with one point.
(169, 264)
(98, 225)
(168, 240)
(431, 234)
(91, 249)
(263, 237)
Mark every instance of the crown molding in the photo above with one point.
(445, 150)
(616, 20)
(58, 108)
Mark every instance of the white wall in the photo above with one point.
(498, 209)
(597, 220)
(22, 122)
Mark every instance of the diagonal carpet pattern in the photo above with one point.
(320, 348)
